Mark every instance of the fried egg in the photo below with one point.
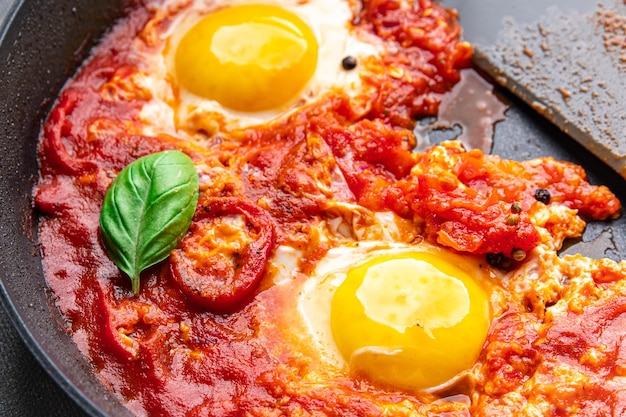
(234, 64)
(409, 317)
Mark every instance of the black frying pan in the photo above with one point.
(41, 47)
(39, 50)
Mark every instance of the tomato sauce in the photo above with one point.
(188, 345)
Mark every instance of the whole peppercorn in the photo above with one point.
(516, 208)
(349, 63)
(542, 195)
(512, 219)
(518, 255)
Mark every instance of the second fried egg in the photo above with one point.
(405, 317)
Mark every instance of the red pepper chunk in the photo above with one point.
(219, 280)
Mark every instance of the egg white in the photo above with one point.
(173, 107)
(316, 296)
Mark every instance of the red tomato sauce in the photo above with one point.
(186, 345)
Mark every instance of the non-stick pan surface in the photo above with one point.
(40, 48)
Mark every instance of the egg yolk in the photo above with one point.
(248, 58)
(410, 321)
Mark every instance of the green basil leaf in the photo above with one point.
(147, 211)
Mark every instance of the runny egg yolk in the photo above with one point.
(412, 321)
(248, 58)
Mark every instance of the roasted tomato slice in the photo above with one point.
(221, 261)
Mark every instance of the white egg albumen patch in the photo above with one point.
(317, 294)
(285, 264)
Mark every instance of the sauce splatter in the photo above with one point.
(472, 106)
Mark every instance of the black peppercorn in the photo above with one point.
(542, 195)
(348, 63)
(498, 260)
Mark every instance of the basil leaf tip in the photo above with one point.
(147, 211)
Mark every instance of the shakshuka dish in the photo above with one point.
(235, 222)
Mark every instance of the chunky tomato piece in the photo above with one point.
(224, 277)
(372, 156)
(467, 220)
(411, 77)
